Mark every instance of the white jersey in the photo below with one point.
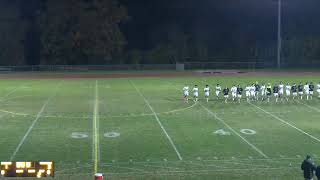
(234, 91)
(218, 90)
(206, 91)
(306, 88)
(186, 91)
(195, 91)
(318, 88)
(253, 90)
(288, 90)
(263, 90)
(281, 86)
(247, 89)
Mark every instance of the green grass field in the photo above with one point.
(140, 128)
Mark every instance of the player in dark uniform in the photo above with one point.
(226, 94)
(276, 92)
(311, 89)
(294, 91)
(239, 93)
(268, 92)
(300, 90)
(257, 90)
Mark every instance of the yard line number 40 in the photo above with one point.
(222, 132)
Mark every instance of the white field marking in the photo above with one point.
(311, 107)
(235, 132)
(11, 92)
(96, 145)
(285, 122)
(34, 122)
(159, 122)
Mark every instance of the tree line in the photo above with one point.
(89, 32)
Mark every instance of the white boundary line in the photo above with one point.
(285, 122)
(34, 122)
(311, 107)
(235, 132)
(159, 122)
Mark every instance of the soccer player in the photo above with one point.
(318, 89)
(234, 92)
(281, 90)
(263, 91)
(247, 89)
(195, 91)
(294, 91)
(239, 93)
(311, 88)
(253, 92)
(257, 89)
(288, 91)
(186, 93)
(306, 90)
(218, 90)
(269, 91)
(226, 94)
(300, 90)
(206, 92)
(276, 92)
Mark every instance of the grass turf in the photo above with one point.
(56, 120)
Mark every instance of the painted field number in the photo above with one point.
(222, 132)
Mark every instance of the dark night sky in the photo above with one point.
(218, 17)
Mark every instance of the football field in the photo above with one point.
(140, 128)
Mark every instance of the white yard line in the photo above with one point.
(235, 132)
(96, 148)
(311, 107)
(159, 122)
(33, 123)
(285, 122)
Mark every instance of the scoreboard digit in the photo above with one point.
(27, 169)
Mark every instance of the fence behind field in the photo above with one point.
(181, 66)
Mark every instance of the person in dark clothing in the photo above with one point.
(311, 89)
(226, 94)
(308, 168)
(318, 172)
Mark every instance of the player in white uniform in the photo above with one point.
(306, 90)
(247, 89)
(288, 91)
(253, 92)
(206, 92)
(234, 92)
(318, 89)
(195, 92)
(186, 93)
(281, 90)
(263, 91)
(218, 91)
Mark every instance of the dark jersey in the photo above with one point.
(239, 90)
(300, 88)
(311, 87)
(294, 88)
(269, 90)
(275, 89)
(226, 91)
(257, 86)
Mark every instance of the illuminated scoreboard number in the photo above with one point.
(27, 169)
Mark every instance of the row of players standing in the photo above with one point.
(254, 91)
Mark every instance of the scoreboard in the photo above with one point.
(27, 169)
